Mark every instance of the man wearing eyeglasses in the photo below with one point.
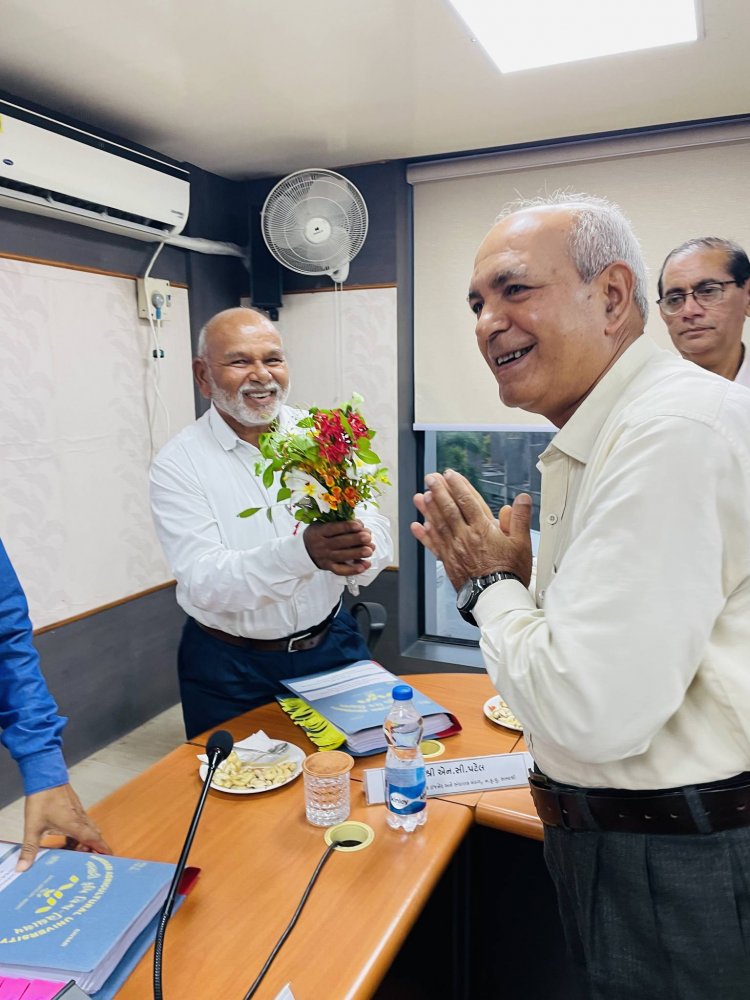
(704, 297)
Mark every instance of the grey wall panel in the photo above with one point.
(216, 283)
(109, 673)
(380, 185)
(80, 246)
(218, 211)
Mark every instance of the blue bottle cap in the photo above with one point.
(402, 692)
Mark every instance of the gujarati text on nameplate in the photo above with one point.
(461, 776)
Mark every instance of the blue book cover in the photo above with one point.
(357, 699)
(73, 915)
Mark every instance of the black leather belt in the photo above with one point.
(308, 639)
(706, 808)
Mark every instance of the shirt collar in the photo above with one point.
(744, 370)
(228, 439)
(577, 437)
(221, 430)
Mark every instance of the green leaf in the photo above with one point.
(284, 493)
(249, 512)
(268, 477)
(269, 513)
(306, 422)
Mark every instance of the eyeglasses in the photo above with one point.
(707, 294)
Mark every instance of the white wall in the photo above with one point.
(75, 444)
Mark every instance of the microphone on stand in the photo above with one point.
(218, 748)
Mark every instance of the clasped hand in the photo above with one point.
(341, 547)
(461, 530)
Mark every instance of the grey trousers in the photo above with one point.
(651, 917)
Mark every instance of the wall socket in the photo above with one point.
(149, 289)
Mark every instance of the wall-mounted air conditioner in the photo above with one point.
(55, 168)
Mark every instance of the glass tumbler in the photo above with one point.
(326, 777)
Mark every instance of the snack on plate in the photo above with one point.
(502, 713)
(236, 773)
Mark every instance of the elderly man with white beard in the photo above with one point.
(263, 598)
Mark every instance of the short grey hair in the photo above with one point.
(599, 235)
(200, 350)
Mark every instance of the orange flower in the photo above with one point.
(351, 496)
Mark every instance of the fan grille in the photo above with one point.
(314, 221)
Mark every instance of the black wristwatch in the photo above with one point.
(469, 592)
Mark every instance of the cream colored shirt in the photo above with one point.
(246, 576)
(632, 668)
(743, 375)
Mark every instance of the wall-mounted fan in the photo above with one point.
(315, 222)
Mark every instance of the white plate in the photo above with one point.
(292, 753)
(505, 717)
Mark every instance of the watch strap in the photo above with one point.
(478, 585)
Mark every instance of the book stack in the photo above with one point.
(346, 708)
(76, 916)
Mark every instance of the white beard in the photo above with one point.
(255, 414)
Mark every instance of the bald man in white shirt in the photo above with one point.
(629, 663)
(263, 597)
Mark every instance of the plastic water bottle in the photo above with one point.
(405, 784)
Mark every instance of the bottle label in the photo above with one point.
(406, 800)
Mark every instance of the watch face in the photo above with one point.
(465, 595)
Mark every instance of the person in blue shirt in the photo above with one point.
(31, 731)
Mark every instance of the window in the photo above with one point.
(500, 465)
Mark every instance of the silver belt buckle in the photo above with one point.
(290, 648)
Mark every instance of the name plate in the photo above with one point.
(460, 776)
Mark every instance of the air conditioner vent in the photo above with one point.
(54, 198)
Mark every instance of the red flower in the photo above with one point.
(358, 426)
(329, 424)
(333, 450)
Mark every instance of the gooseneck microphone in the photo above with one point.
(218, 748)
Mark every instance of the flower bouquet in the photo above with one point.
(326, 466)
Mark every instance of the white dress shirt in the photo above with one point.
(632, 668)
(246, 576)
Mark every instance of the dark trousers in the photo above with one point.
(649, 917)
(219, 680)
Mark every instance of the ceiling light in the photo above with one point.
(522, 34)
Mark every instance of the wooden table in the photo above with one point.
(257, 853)
(462, 694)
